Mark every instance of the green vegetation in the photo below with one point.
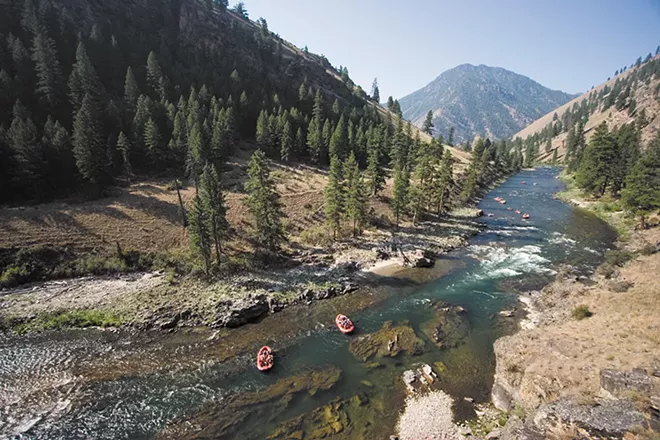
(580, 312)
(73, 319)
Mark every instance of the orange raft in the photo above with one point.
(265, 358)
(344, 324)
(525, 216)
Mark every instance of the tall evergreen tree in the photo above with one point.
(27, 151)
(47, 64)
(333, 196)
(375, 171)
(286, 149)
(400, 197)
(198, 228)
(124, 147)
(642, 192)
(213, 201)
(263, 201)
(153, 142)
(87, 143)
(375, 92)
(596, 169)
(339, 140)
(356, 195)
(83, 79)
(443, 181)
(450, 136)
(428, 124)
(131, 91)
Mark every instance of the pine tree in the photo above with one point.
(83, 79)
(213, 201)
(339, 140)
(356, 195)
(326, 138)
(153, 142)
(87, 144)
(124, 147)
(131, 91)
(375, 92)
(375, 171)
(47, 65)
(263, 134)
(26, 150)
(287, 142)
(333, 196)
(263, 201)
(450, 136)
(595, 172)
(300, 141)
(155, 77)
(428, 124)
(642, 192)
(400, 196)
(198, 153)
(627, 141)
(200, 235)
(314, 141)
(443, 182)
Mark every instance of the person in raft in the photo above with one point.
(344, 322)
(266, 358)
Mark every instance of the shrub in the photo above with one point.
(317, 236)
(580, 312)
(649, 249)
(617, 258)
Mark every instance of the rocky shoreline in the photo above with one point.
(585, 362)
(148, 301)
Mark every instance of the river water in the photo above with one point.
(91, 384)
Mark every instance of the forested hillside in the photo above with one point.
(609, 139)
(92, 92)
(469, 101)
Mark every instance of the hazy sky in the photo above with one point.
(563, 44)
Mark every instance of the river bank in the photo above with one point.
(585, 363)
(155, 300)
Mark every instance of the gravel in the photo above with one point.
(428, 417)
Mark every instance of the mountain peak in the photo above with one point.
(481, 100)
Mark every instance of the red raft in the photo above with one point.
(265, 358)
(344, 324)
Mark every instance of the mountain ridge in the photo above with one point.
(481, 100)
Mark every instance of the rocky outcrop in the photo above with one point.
(619, 382)
(390, 340)
(234, 313)
(419, 258)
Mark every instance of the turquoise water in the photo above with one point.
(511, 253)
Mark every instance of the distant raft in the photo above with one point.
(517, 211)
(265, 359)
(344, 324)
(502, 202)
(525, 216)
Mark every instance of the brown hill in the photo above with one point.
(644, 83)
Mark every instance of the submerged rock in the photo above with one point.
(449, 327)
(390, 340)
(326, 421)
(223, 419)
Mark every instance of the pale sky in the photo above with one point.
(568, 45)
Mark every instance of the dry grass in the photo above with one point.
(145, 216)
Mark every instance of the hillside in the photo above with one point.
(632, 96)
(209, 88)
(480, 101)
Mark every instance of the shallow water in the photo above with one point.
(93, 384)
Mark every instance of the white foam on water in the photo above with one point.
(504, 262)
(593, 251)
(559, 238)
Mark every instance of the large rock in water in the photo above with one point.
(390, 340)
(449, 327)
(238, 312)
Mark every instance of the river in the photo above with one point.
(92, 384)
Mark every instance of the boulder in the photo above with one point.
(494, 434)
(617, 382)
(419, 258)
(239, 312)
(610, 418)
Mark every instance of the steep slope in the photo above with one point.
(632, 96)
(480, 100)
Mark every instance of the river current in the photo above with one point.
(91, 384)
